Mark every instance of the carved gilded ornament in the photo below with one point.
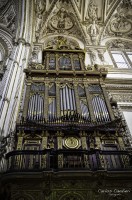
(61, 42)
(71, 142)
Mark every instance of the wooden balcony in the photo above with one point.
(67, 160)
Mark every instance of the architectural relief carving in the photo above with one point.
(93, 30)
(119, 44)
(34, 57)
(92, 11)
(61, 21)
(122, 97)
(119, 97)
(8, 19)
(40, 7)
(121, 22)
(91, 21)
(120, 25)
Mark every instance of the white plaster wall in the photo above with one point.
(107, 57)
(128, 118)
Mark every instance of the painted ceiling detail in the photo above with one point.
(92, 22)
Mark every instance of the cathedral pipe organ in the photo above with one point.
(66, 117)
(65, 100)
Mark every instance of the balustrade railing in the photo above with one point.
(75, 122)
(49, 159)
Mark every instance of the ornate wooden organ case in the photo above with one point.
(67, 119)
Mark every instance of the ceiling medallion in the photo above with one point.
(61, 20)
(121, 25)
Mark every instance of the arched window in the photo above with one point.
(120, 59)
(121, 53)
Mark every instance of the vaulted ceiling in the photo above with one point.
(91, 21)
(88, 20)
